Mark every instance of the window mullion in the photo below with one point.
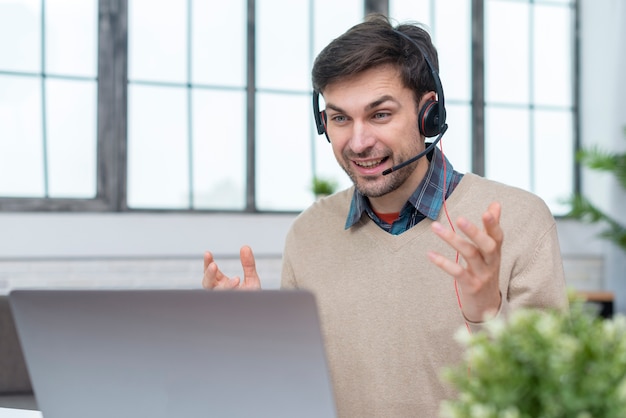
(112, 102)
(251, 109)
(478, 87)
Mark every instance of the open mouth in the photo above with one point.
(371, 164)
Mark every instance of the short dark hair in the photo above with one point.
(372, 43)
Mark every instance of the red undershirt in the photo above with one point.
(388, 217)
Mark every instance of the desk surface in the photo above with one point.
(597, 295)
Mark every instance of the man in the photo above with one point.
(388, 315)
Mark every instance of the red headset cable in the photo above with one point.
(456, 285)
(445, 209)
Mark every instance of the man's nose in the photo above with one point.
(362, 137)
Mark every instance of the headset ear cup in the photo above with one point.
(428, 119)
(323, 123)
(320, 116)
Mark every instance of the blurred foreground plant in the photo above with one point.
(542, 364)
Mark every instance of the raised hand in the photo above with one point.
(215, 279)
(478, 278)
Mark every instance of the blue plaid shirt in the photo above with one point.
(425, 202)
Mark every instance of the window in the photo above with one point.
(530, 109)
(450, 29)
(48, 99)
(289, 152)
(205, 105)
(187, 105)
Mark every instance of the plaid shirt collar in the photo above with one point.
(427, 198)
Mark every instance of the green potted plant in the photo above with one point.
(542, 364)
(582, 208)
(323, 187)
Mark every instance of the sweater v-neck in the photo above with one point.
(395, 243)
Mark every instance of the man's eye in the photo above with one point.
(339, 118)
(381, 115)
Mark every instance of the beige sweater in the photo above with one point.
(389, 315)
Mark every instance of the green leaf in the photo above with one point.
(583, 210)
(542, 363)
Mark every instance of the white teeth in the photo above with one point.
(368, 164)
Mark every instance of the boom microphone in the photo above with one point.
(428, 149)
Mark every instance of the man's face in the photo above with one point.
(372, 125)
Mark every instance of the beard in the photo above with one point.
(379, 185)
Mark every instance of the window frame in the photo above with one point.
(111, 123)
(112, 87)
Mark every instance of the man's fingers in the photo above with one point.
(213, 277)
(208, 259)
(247, 259)
(491, 221)
(460, 244)
(209, 280)
(250, 275)
(480, 249)
(482, 243)
(450, 267)
(495, 209)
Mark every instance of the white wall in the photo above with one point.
(133, 249)
(603, 111)
(165, 250)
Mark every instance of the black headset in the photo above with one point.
(431, 117)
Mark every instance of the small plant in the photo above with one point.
(582, 208)
(323, 187)
(548, 364)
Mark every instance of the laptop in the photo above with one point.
(174, 353)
